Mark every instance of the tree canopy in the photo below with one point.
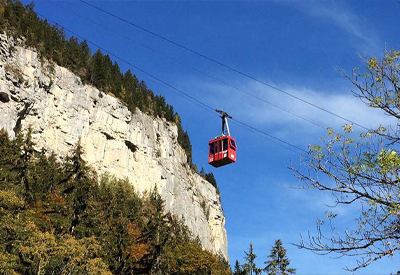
(278, 263)
(56, 217)
(362, 170)
(250, 267)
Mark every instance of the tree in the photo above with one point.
(117, 217)
(279, 262)
(250, 266)
(9, 152)
(16, 158)
(363, 170)
(211, 179)
(189, 258)
(156, 229)
(70, 223)
(25, 249)
(238, 269)
(76, 187)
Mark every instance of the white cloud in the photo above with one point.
(340, 14)
(343, 18)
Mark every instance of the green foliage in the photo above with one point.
(249, 267)
(97, 69)
(238, 269)
(69, 223)
(278, 263)
(189, 258)
(210, 178)
(361, 170)
(184, 141)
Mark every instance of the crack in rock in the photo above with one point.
(131, 146)
(21, 116)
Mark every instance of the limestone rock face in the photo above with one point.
(61, 111)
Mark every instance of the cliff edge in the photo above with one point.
(61, 110)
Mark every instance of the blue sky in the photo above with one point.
(293, 45)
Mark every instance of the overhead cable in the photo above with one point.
(187, 96)
(223, 65)
(194, 69)
(268, 135)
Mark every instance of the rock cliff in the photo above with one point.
(61, 110)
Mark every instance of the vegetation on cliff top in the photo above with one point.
(97, 69)
(57, 218)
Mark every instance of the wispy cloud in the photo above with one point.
(342, 16)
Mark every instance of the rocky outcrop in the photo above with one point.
(61, 111)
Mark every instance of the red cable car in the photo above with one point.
(222, 149)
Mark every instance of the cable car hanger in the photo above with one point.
(225, 126)
(222, 149)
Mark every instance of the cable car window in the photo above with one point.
(212, 148)
(233, 144)
(225, 144)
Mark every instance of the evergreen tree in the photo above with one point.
(278, 265)
(17, 155)
(26, 164)
(157, 230)
(250, 266)
(184, 140)
(238, 269)
(75, 225)
(202, 172)
(117, 217)
(9, 152)
(77, 186)
(211, 179)
(116, 78)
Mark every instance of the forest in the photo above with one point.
(56, 217)
(96, 69)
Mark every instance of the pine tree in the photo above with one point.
(211, 179)
(75, 225)
(202, 172)
(25, 158)
(116, 80)
(76, 187)
(278, 265)
(238, 269)
(250, 265)
(157, 230)
(9, 153)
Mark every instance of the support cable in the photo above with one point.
(187, 96)
(268, 135)
(193, 68)
(223, 65)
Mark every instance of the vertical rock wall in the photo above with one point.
(61, 111)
